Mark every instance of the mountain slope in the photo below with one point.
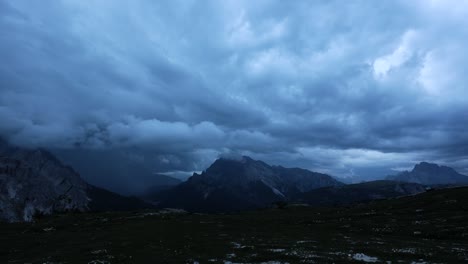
(241, 184)
(361, 192)
(34, 182)
(95, 167)
(431, 174)
(103, 200)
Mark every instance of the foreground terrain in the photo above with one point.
(428, 228)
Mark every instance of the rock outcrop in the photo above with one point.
(32, 182)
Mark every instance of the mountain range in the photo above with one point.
(239, 184)
(34, 182)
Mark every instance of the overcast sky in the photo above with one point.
(344, 87)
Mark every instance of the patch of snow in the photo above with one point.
(160, 212)
(99, 262)
(172, 211)
(459, 249)
(268, 262)
(230, 262)
(405, 250)
(150, 214)
(99, 251)
(239, 246)
(28, 212)
(303, 254)
(277, 192)
(277, 250)
(305, 241)
(236, 245)
(364, 257)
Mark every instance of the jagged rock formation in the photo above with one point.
(33, 182)
(431, 174)
(245, 183)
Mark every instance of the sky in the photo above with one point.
(350, 88)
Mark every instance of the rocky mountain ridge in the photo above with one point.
(237, 184)
(431, 174)
(33, 182)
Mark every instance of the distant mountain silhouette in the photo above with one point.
(431, 174)
(238, 184)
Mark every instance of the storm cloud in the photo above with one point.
(344, 87)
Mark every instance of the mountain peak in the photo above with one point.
(235, 158)
(424, 166)
(239, 168)
(235, 163)
(431, 173)
(242, 182)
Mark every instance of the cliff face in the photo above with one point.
(33, 182)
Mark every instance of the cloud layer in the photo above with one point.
(337, 86)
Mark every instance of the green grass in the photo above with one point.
(431, 227)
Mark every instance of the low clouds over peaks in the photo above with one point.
(333, 85)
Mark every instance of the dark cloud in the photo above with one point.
(327, 85)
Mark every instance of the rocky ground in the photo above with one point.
(426, 228)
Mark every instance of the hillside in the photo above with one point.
(360, 192)
(427, 228)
